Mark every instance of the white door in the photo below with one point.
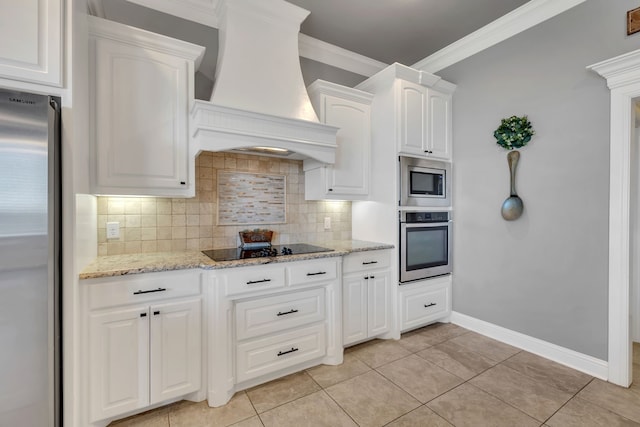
(176, 349)
(354, 308)
(413, 116)
(119, 361)
(140, 128)
(379, 302)
(350, 173)
(439, 125)
(31, 50)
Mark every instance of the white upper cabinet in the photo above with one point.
(413, 114)
(439, 124)
(142, 88)
(31, 50)
(350, 111)
(414, 109)
(425, 121)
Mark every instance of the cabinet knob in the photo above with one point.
(331, 189)
(372, 277)
(143, 314)
(155, 313)
(183, 183)
(366, 277)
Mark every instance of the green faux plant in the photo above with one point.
(514, 132)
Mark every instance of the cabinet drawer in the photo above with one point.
(250, 279)
(143, 288)
(366, 260)
(309, 272)
(424, 304)
(266, 355)
(273, 314)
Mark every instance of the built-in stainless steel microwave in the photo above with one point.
(424, 182)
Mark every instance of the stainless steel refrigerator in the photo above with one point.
(29, 260)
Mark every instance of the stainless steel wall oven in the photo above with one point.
(425, 245)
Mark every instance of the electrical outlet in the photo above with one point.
(113, 230)
(327, 223)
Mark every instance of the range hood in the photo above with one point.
(259, 99)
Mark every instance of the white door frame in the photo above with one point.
(623, 79)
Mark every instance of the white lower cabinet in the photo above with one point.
(366, 299)
(424, 302)
(144, 346)
(259, 332)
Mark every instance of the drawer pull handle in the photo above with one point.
(155, 313)
(429, 305)
(317, 274)
(143, 314)
(253, 282)
(139, 292)
(287, 312)
(282, 353)
(369, 262)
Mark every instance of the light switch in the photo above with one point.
(327, 223)
(113, 230)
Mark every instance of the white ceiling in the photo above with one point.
(388, 31)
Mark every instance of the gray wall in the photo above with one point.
(544, 275)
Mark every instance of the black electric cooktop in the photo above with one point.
(232, 254)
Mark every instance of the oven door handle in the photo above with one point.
(425, 224)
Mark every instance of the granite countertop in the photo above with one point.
(120, 265)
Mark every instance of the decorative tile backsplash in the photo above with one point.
(153, 224)
(251, 198)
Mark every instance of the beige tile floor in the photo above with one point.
(440, 375)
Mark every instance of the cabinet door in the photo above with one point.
(139, 120)
(354, 308)
(379, 302)
(176, 349)
(31, 31)
(350, 173)
(439, 125)
(413, 115)
(118, 361)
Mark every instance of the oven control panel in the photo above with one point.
(417, 217)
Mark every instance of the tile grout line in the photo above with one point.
(572, 397)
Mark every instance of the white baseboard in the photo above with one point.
(581, 362)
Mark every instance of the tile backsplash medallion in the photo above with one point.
(155, 224)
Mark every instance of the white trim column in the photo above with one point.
(623, 78)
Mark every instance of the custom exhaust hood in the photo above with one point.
(259, 100)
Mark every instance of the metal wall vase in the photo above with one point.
(512, 207)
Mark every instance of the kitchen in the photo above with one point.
(483, 242)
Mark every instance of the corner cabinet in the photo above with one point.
(425, 121)
(143, 342)
(350, 110)
(32, 47)
(367, 304)
(141, 89)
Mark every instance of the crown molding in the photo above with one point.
(125, 34)
(323, 87)
(526, 16)
(619, 71)
(203, 12)
(335, 56)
